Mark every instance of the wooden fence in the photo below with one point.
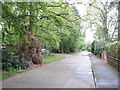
(115, 62)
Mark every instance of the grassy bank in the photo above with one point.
(9, 73)
(48, 59)
(52, 58)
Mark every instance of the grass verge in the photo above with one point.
(52, 58)
(48, 59)
(7, 74)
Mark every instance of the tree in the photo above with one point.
(42, 19)
(104, 19)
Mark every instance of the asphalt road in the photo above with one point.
(72, 72)
(81, 70)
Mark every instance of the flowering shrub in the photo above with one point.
(45, 51)
(32, 50)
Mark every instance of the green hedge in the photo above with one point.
(110, 47)
(113, 49)
(98, 47)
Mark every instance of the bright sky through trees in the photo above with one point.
(82, 12)
(82, 8)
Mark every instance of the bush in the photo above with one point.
(112, 49)
(12, 61)
(32, 49)
(88, 47)
(98, 47)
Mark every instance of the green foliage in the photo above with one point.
(93, 46)
(52, 58)
(46, 22)
(98, 47)
(12, 61)
(119, 5)
(53, 24)
(7, 74)
(113, 49)
(88, 47)
(48, 59)
(70, 40)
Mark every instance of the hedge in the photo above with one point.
(110, 47)
(98, 47)
(113, 49)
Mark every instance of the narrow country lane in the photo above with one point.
(31, 31)
(72, 72)
(81, 70)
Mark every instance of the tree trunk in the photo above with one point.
(105, 27)
(106, 34)
(119, 22)
(62, 48)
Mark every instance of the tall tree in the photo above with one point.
(46, 20)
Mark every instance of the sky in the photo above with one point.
(89, 33)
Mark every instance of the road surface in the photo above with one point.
(81, 70)
(72, 72)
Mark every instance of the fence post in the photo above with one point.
(104, 56)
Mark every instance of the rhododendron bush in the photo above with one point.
(25, 25)
(32, 50)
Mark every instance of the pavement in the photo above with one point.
(106, 76)
(81, 70)
(74, 71)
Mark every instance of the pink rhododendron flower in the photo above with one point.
(35, 50)
(19, 42)
(32, 49)
(31, 36)
(37, 42)
(25, 51)
(40, 53)
(40, 43)
(39, 49)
